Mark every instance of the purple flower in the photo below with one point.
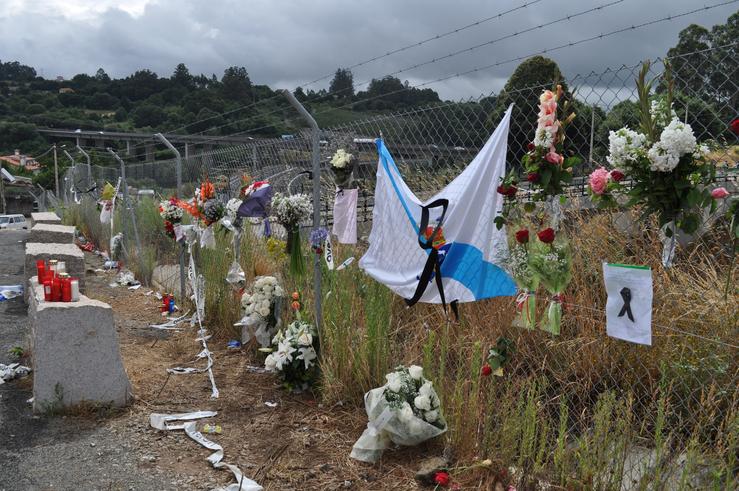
(317, 237)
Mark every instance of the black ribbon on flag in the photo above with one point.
(432, 266)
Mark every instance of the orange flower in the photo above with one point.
(296, 305)
(296, 296)
(207, 191)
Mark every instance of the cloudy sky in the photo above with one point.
(286, 43)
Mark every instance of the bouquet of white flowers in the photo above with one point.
(342, 165)
(290, 211)
(261, 310)
(406, 411)
(295, 355)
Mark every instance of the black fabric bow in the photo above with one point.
(626, 309)
(432, 266)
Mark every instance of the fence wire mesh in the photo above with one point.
(683, 388)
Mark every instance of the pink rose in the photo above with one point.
(598, 181)
(554, 158)
(547, 96)
(719, 193)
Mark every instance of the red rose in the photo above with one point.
(503, 190)
(486, 370)
(522, 236)
(533, 177)
(441, 478)
(508, 191)
(617, 175)
(546, 235)
(531, 146)
(735, 126)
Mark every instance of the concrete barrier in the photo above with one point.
(44, 233)
(69, 253)
(46, 217)
(75, 353)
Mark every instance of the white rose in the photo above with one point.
(431, 416)
(263, 312)
(305, 339)
(406, 413)
(423, 403)
(393, 382)
(426, 389)
(416, 372)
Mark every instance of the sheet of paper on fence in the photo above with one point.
(638, 279)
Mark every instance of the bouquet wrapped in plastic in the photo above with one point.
(551, 261)
(261, 310)
(526, 281)
(405, 411)
(290, 211)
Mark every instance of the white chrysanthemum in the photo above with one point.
(415, 372)
(341, 159)
(427, 389)
(394, 383)
(543, 138)
(624, 147)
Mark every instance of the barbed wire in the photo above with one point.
(362, 63)
(503, 62)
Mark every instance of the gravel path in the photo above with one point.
(40, 453)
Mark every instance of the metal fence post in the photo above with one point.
(89, 168)
(126, 204)
(316, 154)
(178, 193)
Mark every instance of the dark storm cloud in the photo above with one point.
(286, 43)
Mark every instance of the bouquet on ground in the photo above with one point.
(405, 411)
(668, 169)
(551, 261)
(261, 309)
(171, 214)
(295, 355)
(526, 280)
(290, 211)
(342, 165)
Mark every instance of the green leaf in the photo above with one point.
(572, 161)
(689, 223)
(546, 176)
(693, 198)
(529, 207)
(562, 199)
(499, 222)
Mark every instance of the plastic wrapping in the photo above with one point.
(389, 425)
(669, 244)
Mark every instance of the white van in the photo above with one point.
(13, 222)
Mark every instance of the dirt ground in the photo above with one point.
(299, 444)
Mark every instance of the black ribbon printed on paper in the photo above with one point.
(626, 309)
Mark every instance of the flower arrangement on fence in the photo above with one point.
(290, 211)
(295, 356)
(171, 214)
(547, 168)
(261, 310)
(519, 267)
(342, 165)
(498, 357)
(667, 168)
(106, 203)
(406, 410)
(551, 262)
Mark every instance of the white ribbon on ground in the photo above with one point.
(197, 283)
(165, 422)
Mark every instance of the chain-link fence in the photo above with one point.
(678, 395)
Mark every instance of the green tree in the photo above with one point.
(182, 77)
(147, 115)
(101, 76)
(236, 84)
(342, 85)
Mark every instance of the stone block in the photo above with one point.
(69, 253)
(44, 233)
(75, 353)
(46, 217)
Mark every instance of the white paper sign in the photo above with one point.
(629, 305)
